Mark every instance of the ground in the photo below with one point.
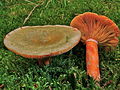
(66, 71)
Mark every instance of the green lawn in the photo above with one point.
(66, 71)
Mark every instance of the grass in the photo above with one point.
(66, 71)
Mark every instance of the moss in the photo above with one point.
(66, 71)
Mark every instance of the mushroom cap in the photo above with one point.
(42, 41)
(97, 27)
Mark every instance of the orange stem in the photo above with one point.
(44, 61)
(47, 61)
(40, 62)
(92, 60)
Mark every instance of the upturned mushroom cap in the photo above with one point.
(97, 27)
(42, 41)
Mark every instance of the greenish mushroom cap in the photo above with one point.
(42, 41)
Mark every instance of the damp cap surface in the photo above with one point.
(42, 41)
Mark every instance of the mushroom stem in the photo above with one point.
(44, 61)
(40, 62)
(92, 60)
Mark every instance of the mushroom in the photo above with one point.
(96, 30)
(42, 42)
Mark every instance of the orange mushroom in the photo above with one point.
(42, 42)
(96, 30)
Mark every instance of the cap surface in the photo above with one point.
(42, 41)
